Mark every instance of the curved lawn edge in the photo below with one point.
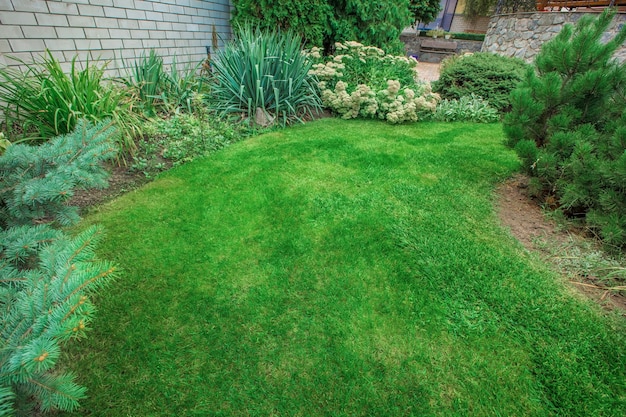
(340, 268)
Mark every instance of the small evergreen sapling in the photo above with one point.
(46, 277)
(568, 125)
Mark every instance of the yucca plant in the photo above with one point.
(266, 71)
(43, 101)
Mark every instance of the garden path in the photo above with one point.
(428, 71)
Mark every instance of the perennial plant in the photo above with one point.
(364, 81)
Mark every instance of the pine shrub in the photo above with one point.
(568, 125)
(46, 276)
(482, 74)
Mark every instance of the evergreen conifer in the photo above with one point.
(46, 276)
(568, 125)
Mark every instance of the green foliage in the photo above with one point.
(424, 11)
(264, 72)
(466, 109)
(321, 23)
(483, 74)
(160, 91)
(364, 81)
(46, 277)
(568, 125)
(469, 36)
(183, 138)
(475, 8)
(37, 181)
(43, 101)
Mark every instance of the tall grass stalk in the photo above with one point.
(43, 101)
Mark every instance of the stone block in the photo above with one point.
(119, 33)
(51, 19)
(145, 5)
(128, 24)
(71, 33)
(148, 24)
(89, 10)
(161, 7)
(111, 43)
(114, 12)
(60, 44)
(27, 45)
(5, 47)
(39, 32)
(105, 22)
(136, 14)
(96, 33)
(62, 8)
(82, 21)
(139, 34)
(8, 32)
(87, 44)
(6, 5)
(18, 18)
(132, 43)
(40, 6)
(126, 4)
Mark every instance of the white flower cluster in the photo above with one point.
(344, 94)
(361, 102)
(402, 106)
(327, 71)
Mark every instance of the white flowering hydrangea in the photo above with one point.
(363, 81)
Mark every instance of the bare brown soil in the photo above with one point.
(524, 218)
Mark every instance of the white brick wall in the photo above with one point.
(115, 30)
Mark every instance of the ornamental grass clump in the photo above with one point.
(265, 77)
(44, 101)
(364, 81)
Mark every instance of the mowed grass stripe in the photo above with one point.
(340, 268)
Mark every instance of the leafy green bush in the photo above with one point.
(364, 81)
(46, 277)
(568, 125)
(183, 138)
(44, 101)
(483, 74)
(160, 91)
(264, 75)
(466, 109)
(321, 23)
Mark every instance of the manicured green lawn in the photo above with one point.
(340, 268)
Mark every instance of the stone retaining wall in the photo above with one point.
(522, 34)
(115, 30)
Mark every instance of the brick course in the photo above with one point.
(117, 30)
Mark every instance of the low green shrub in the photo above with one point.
(43, 101)
(264, 76)
(466, 109)
(469, 36)
(182, 138)
(364, 81)
(568, 125)
(483, 74)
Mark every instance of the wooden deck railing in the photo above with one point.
(558, 4)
